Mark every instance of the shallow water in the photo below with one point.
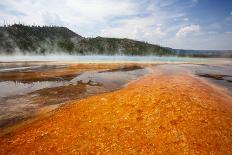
(112, 79)
(217, 74)
(220, 75)
(20, 100)
(15, 88)
(28, 67)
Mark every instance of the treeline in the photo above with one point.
(111, 46)
(44, 40)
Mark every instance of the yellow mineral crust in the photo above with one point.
(160, 114)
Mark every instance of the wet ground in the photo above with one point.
(26, 89)
(31, 88)
(218, 74)
(173, 110)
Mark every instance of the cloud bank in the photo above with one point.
(156, 21)
(188, 30)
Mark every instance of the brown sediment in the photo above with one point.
(160, 113)
(214, 76)
(227, 78)
(56, 95)
(125, 68)
(66, 72)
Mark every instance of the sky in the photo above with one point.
(182, 24)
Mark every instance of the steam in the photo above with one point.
(98, 58)
(14, 40)
(63, 43)
(47, 47)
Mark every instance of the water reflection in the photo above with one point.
(112, 79)
(20, 100)
(220, 75)
(15, 88)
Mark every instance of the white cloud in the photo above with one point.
(70, 12)
(187, 30)
(219, 41)
(155, 21)
(186, 19)
(135, 28)
(97, 17)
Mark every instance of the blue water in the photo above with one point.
(100, 58)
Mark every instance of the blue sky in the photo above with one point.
(188, 24)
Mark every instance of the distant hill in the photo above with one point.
(111, 46)
(44, 40)
(203, 53)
